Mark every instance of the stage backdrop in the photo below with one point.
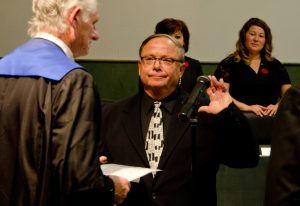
(213, 24)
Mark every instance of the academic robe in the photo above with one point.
(49, 130)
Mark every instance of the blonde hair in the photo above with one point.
(50, 15)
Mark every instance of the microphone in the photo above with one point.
(187, 109)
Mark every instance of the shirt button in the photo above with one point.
(154, 196)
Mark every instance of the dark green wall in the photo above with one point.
(242, 187)
(119, 79)
(115, 80)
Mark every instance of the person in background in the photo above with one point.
(283, 173)
(50, 114)
(178, 29)
(255, 79)
(136, 134)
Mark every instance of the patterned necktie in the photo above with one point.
(155, 140)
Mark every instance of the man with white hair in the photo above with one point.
(50, 114)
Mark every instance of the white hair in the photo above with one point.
(50, 15)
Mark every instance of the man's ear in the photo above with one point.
(73, 16)
(72, 21)
(139, 67)
(182, 68)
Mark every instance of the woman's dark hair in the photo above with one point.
(170, 26)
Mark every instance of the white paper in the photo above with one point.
(129, 172)
(265, 151)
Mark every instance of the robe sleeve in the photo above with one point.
(76, 123)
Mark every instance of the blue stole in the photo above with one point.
(38, 58)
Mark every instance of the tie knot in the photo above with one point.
(157, 104)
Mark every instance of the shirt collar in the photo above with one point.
(168, 103)
(56, 41)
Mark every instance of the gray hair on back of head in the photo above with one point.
(50, 15)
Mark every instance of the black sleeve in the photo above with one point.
(238, 147)
(283, 73)
(101, 194)
(223, 70)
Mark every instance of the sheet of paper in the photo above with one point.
(128, 172)
(265, 151)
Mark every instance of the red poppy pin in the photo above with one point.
(185, 64)
(265, 71)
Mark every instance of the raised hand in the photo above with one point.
(218, 95)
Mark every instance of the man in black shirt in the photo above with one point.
(137, 134)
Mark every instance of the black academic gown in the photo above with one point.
(50, 116)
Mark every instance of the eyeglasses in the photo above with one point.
(164, 61)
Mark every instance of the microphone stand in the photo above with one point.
(192, 120)
(187, 114)
(193, 124)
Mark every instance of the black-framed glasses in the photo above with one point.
(164, 61)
